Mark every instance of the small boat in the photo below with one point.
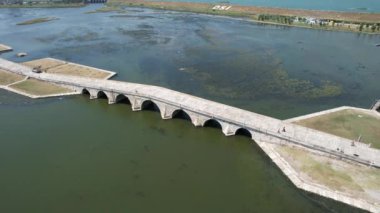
(22, 54)
(377, 45)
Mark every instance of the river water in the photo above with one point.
(73, 154)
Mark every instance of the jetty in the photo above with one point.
(262, 129)
(4, 48)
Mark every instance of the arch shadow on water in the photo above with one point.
(122, 99)
(180, 114)
(243, 132)
(150, 106)
(101, 95)
(213, 124)
(85, 92)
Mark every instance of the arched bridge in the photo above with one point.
(200, 111)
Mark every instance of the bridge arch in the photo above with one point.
(150, 105)
(213, 123)
(85, 92)
(122, 99)
(93, 93)
(243, 132)
(181, 114)
(101, 95)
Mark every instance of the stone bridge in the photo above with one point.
(203, 112)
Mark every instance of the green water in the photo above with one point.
(73, 154)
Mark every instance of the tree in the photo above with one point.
(361, 27)
(373, 28)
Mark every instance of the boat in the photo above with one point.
(21, 54)
(377, 45)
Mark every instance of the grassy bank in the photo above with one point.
(326, 20)
(9, 78)
(39, 88)
(349, 124)
(50, 65)
(37, 20)
(357, 181)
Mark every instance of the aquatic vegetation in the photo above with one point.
(244, 75)
(82, 37)
(37, 20)
(107, 9)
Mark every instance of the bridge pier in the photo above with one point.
(197, 120)
(166, 110)
(111, 97)
(93, 93)
(136, 102)
(228, 129)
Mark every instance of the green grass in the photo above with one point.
(349, 124)
(37, 20)
(8, 77)
(320, 171)
(39, 88)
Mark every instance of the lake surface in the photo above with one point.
(73, 154)
(372, 6)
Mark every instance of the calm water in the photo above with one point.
(75, 155)
(334, 5)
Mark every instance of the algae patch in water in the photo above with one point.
(107, 9)
(238, 74)
(37, 20)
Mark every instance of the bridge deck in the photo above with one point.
(254, 122)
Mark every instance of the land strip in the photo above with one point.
(7, 78)
(359, 125)
(39, 88)
(34, 88)
(326, 176)
(5, 48)
(328, 20)
(52, 65)
(37, 20)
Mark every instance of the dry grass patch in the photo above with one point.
(357, 180)
(349, 124)
(50, 65)
(7, 78)
(321, 171)
(78, 70)
(39, 88)
(45, 63)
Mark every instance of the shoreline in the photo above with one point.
(45, 5)
(312, 19)
(324, 191)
